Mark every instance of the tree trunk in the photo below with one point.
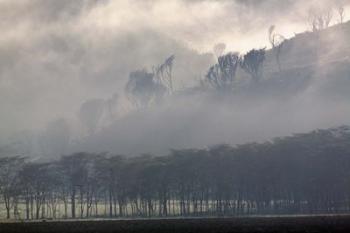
(8, 215)
(110, 204)
(27, 208)
(73, 203)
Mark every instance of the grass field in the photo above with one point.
(286, 224)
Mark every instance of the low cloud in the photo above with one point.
(55, 55)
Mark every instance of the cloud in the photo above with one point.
(55, 55)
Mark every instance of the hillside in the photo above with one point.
(322, 55)
(310, 92)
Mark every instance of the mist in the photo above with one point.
(64, 66)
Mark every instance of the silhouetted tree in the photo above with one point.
(221, 76)
(283, 176)
(253, 62)
(276, 41)
(341, 14)
(163, 73)
(143, 88)
(9, 182)
(320, 19)
(75, 170)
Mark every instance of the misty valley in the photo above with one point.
(124, 116)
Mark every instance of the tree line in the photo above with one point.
(300, 174)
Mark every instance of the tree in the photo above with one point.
(224, 180)
(320, 18)
(276, 41)
(75, 170)
(26, 176)
(253, 62)
(219, 49)
(40, 182)
(9, 181)
(163, 73)
(341, 13)
(143, 89)
(221, 76)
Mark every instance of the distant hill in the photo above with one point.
(311, 91)
(322, 55)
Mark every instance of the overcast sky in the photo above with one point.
(56, 54)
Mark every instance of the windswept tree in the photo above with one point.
(320, 18)
(163, 73)
(253, 62)
(222, 75)
(143, 88)
(276, 41)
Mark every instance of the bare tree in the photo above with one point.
(320, 19)
(328, 16)
(341, 14)
(276, 41)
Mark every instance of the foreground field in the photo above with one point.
(312, 224)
